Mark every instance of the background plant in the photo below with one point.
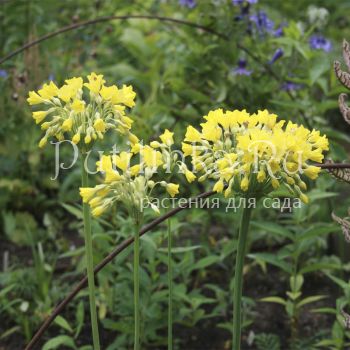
(179, 73)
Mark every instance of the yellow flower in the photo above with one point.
(233, 143)
(167, 137)
(192, 135)
(245, 184)
(134, 170)
(95, 82)
(151, 157)
(219, 186)
(104, 164)
(75, 83)
(126, 96)
(108, 92)
(190, 176)
(87, 193)
(275, 184)
(261, 176)
(78, 106)
(187, 149)
(48, 91)
(98, 211)
(67, 92)
(304, 198)
(39, 116)
(112, 175)
(34, 98)
(87, 139)
(76, 138)
(122, 161)
(133, 138)
(100, 125)
(67, 124)
(172, 189)
(43, 142)
(312, 172)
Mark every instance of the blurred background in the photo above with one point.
(251, 54)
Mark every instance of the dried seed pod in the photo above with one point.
(342, 76)
(342, 174)
(346, 53)
(344, 109)
(346, 319)
(345, 226)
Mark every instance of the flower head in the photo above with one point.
(85, 117)
(129, 179)
(241, 68)
(319, 42)
(188, 3)
(255, 153)
(262, 22)
(277, 55)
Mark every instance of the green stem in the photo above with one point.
(137, 286)
(237, 296)
(170, 286)
(89, 260)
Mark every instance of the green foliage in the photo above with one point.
(179, 73)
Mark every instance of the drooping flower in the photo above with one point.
(241, 68)
(3, 73)
(290, 86)
(188, 3)
(241, 2)
(255, 153)
(262, 22)
(84, 118)
(319, 42)
(277, 55)
(128, 179)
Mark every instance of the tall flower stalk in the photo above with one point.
(238, 280)
(69, 114)
(250, 156)
(137, 311)
(132, 185)
(89, 259)
(170, 288)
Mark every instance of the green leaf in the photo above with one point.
(296, 282)
(316, 232)
(58, 341)
(273, 228)
(178, 250)
(273, 260)
(319, 267)
(62, 322)
(311, 299)
(77, 212)
(207, 261)
(276, 300)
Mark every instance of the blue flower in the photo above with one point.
(240, 2)
(279, 31)
(262, 22)
(241, 68)
(51, 77)
(277, 55)
(319, 42)
(3, 73)
(290, 86)
(188, 3)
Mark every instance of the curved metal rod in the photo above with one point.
(106, 19)
(105, 261)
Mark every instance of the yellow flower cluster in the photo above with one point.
(67, 110)
(131, 184)
(254, 153)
